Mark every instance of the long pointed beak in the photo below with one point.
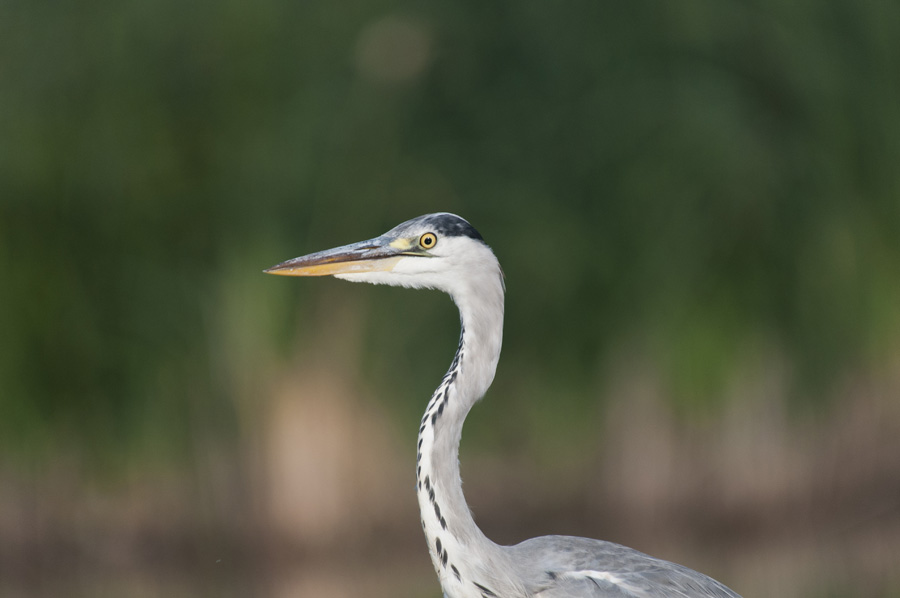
(375, 255)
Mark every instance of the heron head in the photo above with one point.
(440, 251)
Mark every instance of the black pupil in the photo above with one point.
(428, 240)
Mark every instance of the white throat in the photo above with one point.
(452, 535)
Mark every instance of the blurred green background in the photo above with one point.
(696, 204)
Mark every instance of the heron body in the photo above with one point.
(444, 252)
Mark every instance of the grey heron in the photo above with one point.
(443, 251)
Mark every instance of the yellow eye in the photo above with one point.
(428, 240)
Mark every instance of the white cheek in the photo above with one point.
(410, 265)
(415, 266)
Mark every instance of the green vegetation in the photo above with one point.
(699, 178)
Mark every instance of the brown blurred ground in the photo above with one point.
(317, 500)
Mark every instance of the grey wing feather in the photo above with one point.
(570, 567)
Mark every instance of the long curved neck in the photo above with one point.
(452, 535)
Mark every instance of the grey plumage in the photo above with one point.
(443, 251)
(627, 571)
